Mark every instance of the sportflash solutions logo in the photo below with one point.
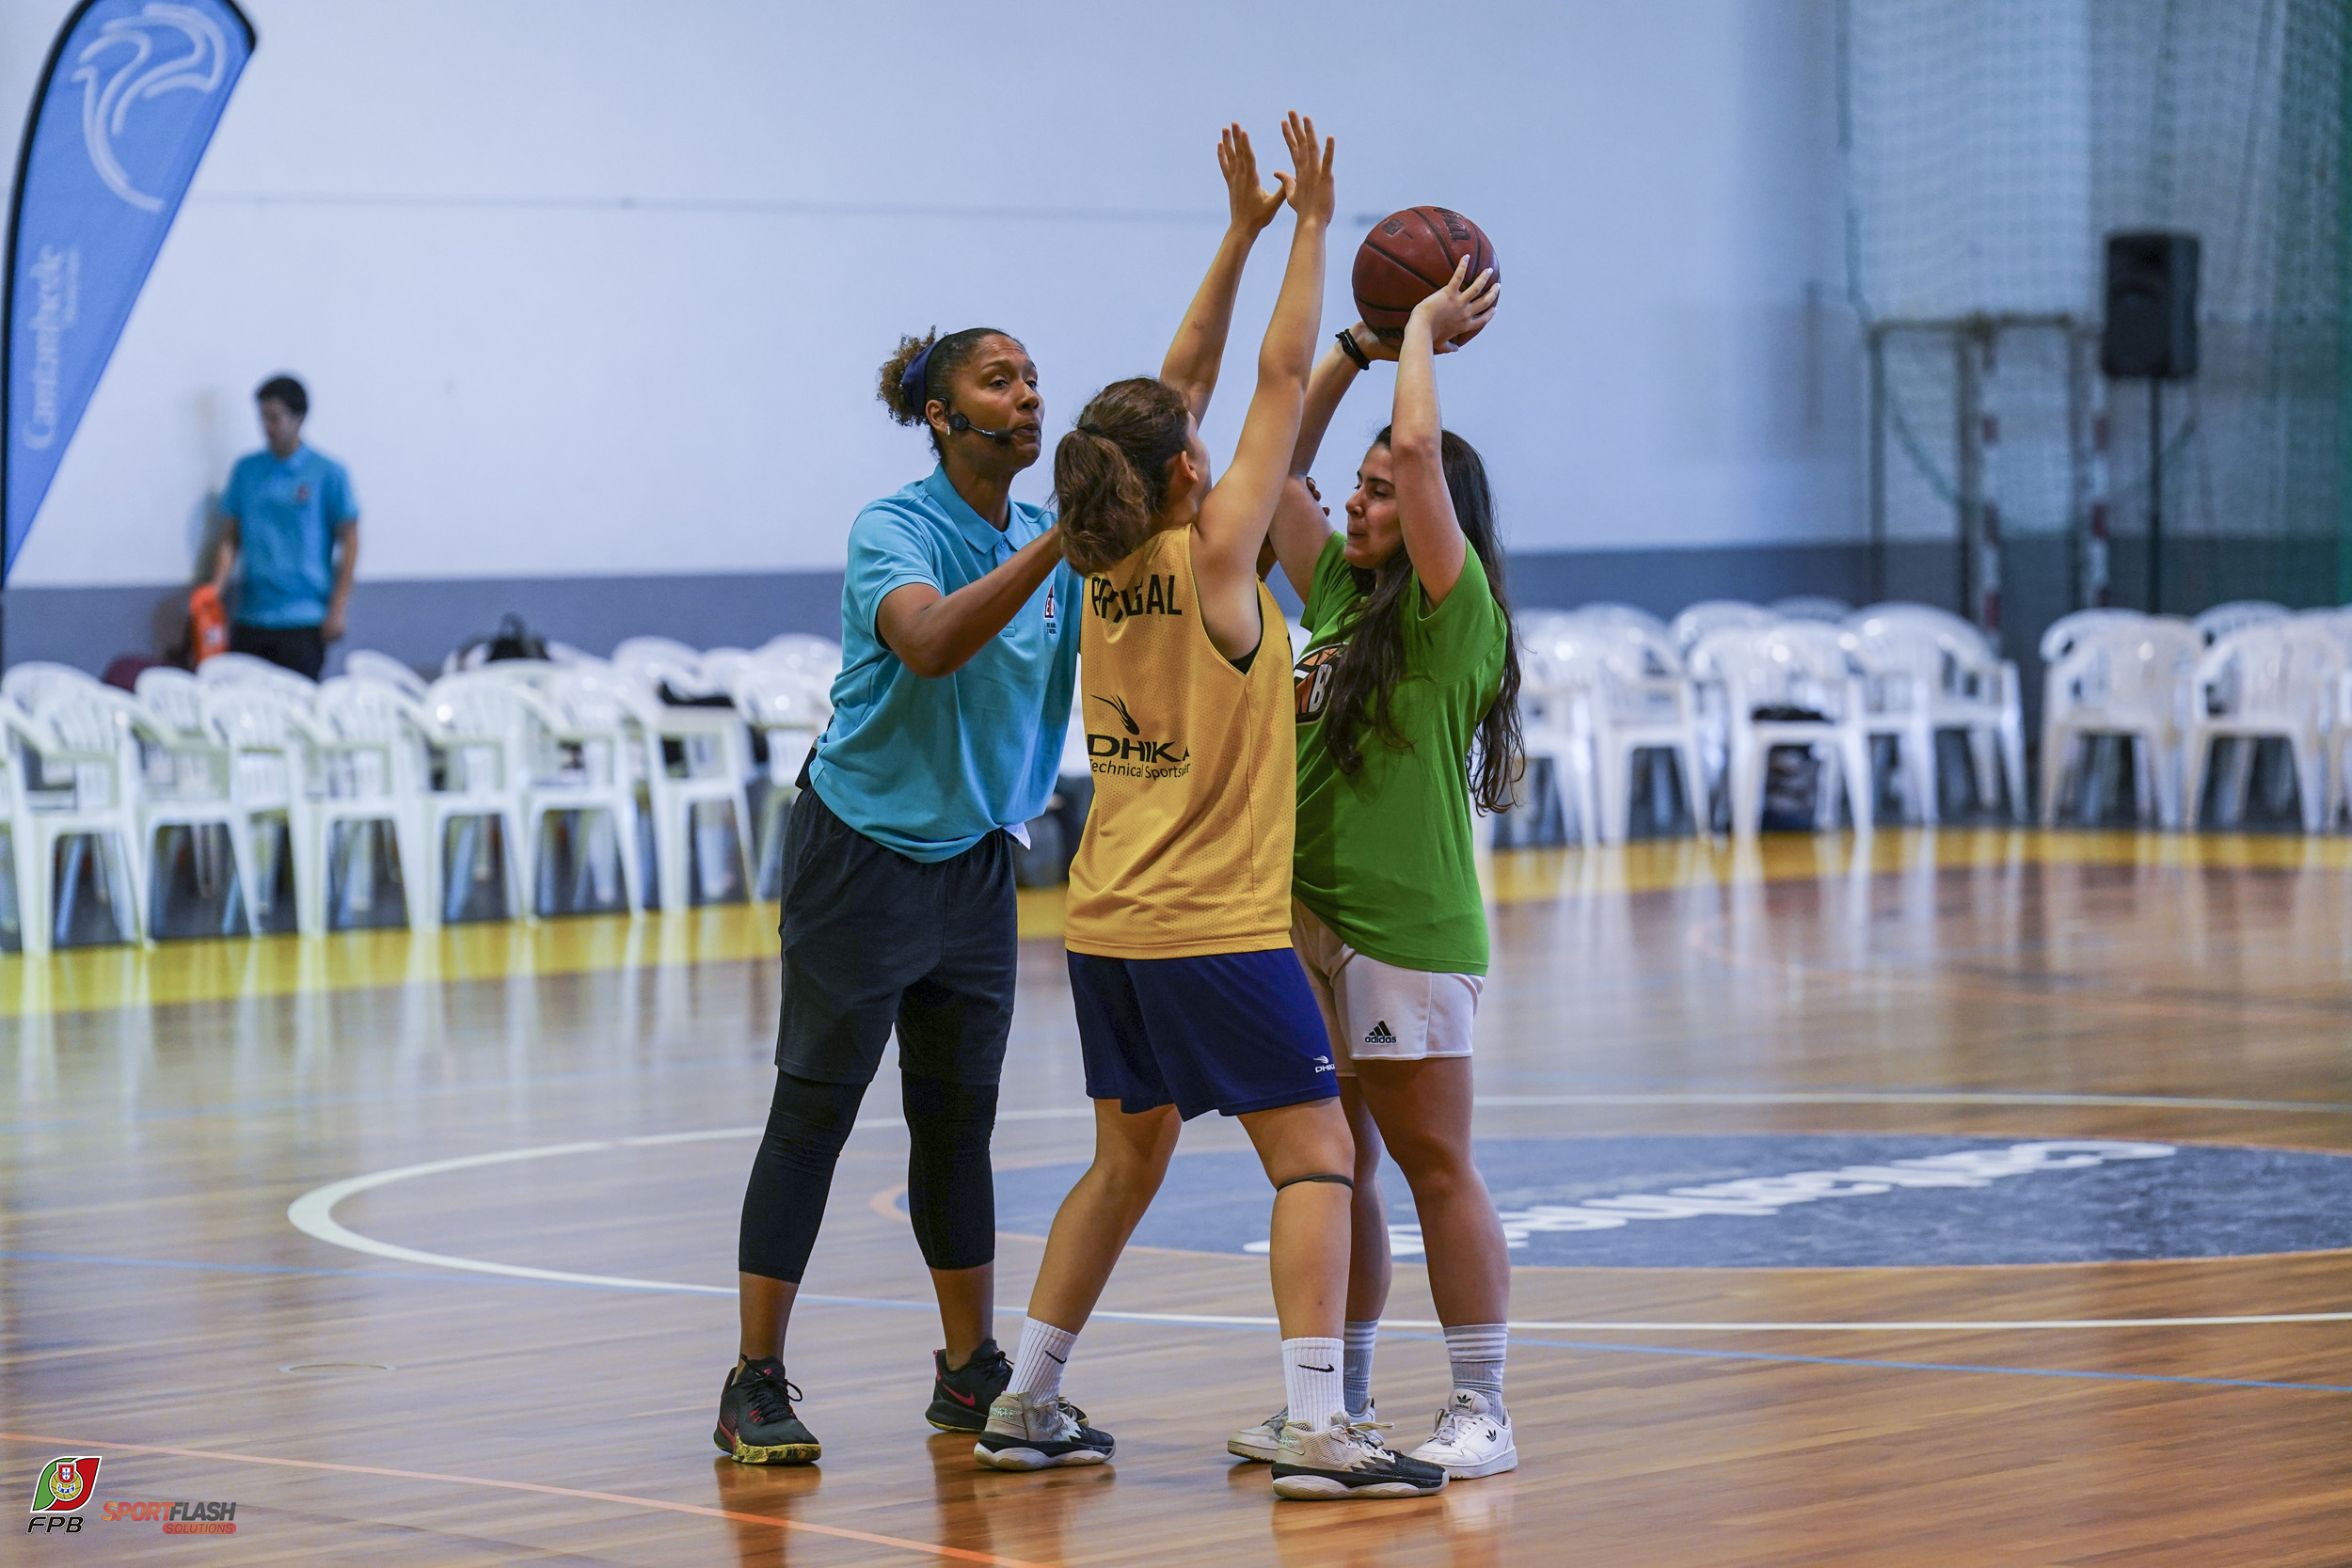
(1132, 754)
(62, 1494)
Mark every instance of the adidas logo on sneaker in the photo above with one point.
(1380, 1035)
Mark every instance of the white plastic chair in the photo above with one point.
(2060, 637)
(654, 662)
(800, 651)
(1961, 683)
(234, 669)
(25, 684)
(2127, 677)
(1558, 687)
(1638, 698)
(1606, 612)
(480, 721)
(368, 748)
(269, 749)
(2271, 680)
(189, 780)
(366, 664)
(790, 708)
(714, 762)
(32, 934)
(587, 765)
(2223, 619)
(1707, 615)
(84, 735)
(1810, 606)
(1798, 664)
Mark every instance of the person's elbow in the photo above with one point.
(1415, 446)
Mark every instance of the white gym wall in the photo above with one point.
(593, 289)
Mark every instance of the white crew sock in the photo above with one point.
(1477, 1351)
(1037, 1365)
(1359, 1336)
(1311, 1380)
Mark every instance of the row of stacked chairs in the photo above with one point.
(1725, 683)
(92, 777)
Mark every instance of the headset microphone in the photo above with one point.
(956, 421)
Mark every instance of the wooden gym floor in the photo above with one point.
(493, 1327)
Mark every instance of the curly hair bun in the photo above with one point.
(903, 409)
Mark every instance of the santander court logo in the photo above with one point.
(164, 48)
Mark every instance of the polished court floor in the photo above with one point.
(423, 1252)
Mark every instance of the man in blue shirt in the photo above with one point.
(289, 538)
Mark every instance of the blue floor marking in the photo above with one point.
(871, 1302)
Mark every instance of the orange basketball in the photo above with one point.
(1407, 256)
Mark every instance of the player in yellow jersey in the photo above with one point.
(1189, 996)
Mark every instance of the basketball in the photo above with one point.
(1407, 256)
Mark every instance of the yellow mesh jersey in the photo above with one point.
(1188, 850)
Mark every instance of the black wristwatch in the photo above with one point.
(1346, 335)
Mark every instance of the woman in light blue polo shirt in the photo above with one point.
(959, 653)
(960, 642)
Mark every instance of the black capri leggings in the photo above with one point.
(950, 1193)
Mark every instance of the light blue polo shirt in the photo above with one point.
(286, 512)
(929, 767)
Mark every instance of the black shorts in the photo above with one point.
(301, 649)
(874, 941)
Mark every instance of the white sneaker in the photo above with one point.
(1030, 1432)
(1471, 1440)
(1263, 1444)
(1346, 1459)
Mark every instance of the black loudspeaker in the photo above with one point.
(2152, 306)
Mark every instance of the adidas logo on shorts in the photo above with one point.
(1380, 1035)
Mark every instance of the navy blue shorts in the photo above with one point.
(1229, 1032)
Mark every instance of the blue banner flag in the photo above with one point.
(119, 123)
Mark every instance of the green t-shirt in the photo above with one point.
(1385, 857)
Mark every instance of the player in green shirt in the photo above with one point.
(1407, 718)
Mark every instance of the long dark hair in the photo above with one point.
(1110, 473)
(1374, 661)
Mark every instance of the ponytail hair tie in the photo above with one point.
(1093, 430)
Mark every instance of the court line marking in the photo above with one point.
(314, 1214)
(956, 1554)
(1395, 1327)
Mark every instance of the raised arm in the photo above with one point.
(1239, 510)
(1194, 357)
(1432, 534)
(1302, 524)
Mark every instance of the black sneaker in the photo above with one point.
(959, 1400)
(755, 1421)
(1027, 1432)
(1346, 1459)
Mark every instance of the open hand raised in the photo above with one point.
(1459, 306)
(1308, 190)
(1253, 205)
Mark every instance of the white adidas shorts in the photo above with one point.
(1378, 1012)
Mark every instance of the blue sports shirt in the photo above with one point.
(286, 512)
(929, 767)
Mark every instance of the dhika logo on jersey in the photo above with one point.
(1153, 596)
(1132, 746)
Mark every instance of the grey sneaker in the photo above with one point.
(1026, 1432)
(1346, 1459)
(1263, 1444)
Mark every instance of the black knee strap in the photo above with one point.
(1347, 1181)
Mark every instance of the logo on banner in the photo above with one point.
(165, 48)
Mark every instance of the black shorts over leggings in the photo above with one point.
(875, 941)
